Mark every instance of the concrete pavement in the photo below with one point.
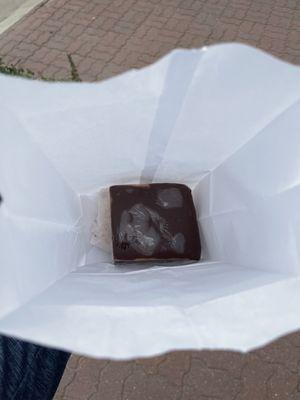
(13, 10)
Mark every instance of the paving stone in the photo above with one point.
(254, 377)
(140, 386)
(112, 381)
(175, 367)
(282, 385)
(120, 32)
(281, 352)
(212, 382)
(150, 365)
(222, 360)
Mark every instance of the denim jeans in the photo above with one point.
(29, 372)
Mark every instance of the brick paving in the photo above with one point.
(106, 37)
(270, 373)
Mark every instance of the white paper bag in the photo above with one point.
(224, 119)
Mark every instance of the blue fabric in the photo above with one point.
(29, 372)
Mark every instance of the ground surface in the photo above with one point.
(7, 7)
(106, 37)
(271, 373)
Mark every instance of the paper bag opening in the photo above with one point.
(212, 119)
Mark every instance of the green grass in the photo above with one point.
(74, 73)
(12, 70)
(26, 73)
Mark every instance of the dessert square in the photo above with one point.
(154, 222)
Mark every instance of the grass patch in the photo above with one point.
(12, 70)
(74, 72)
(26, 73)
